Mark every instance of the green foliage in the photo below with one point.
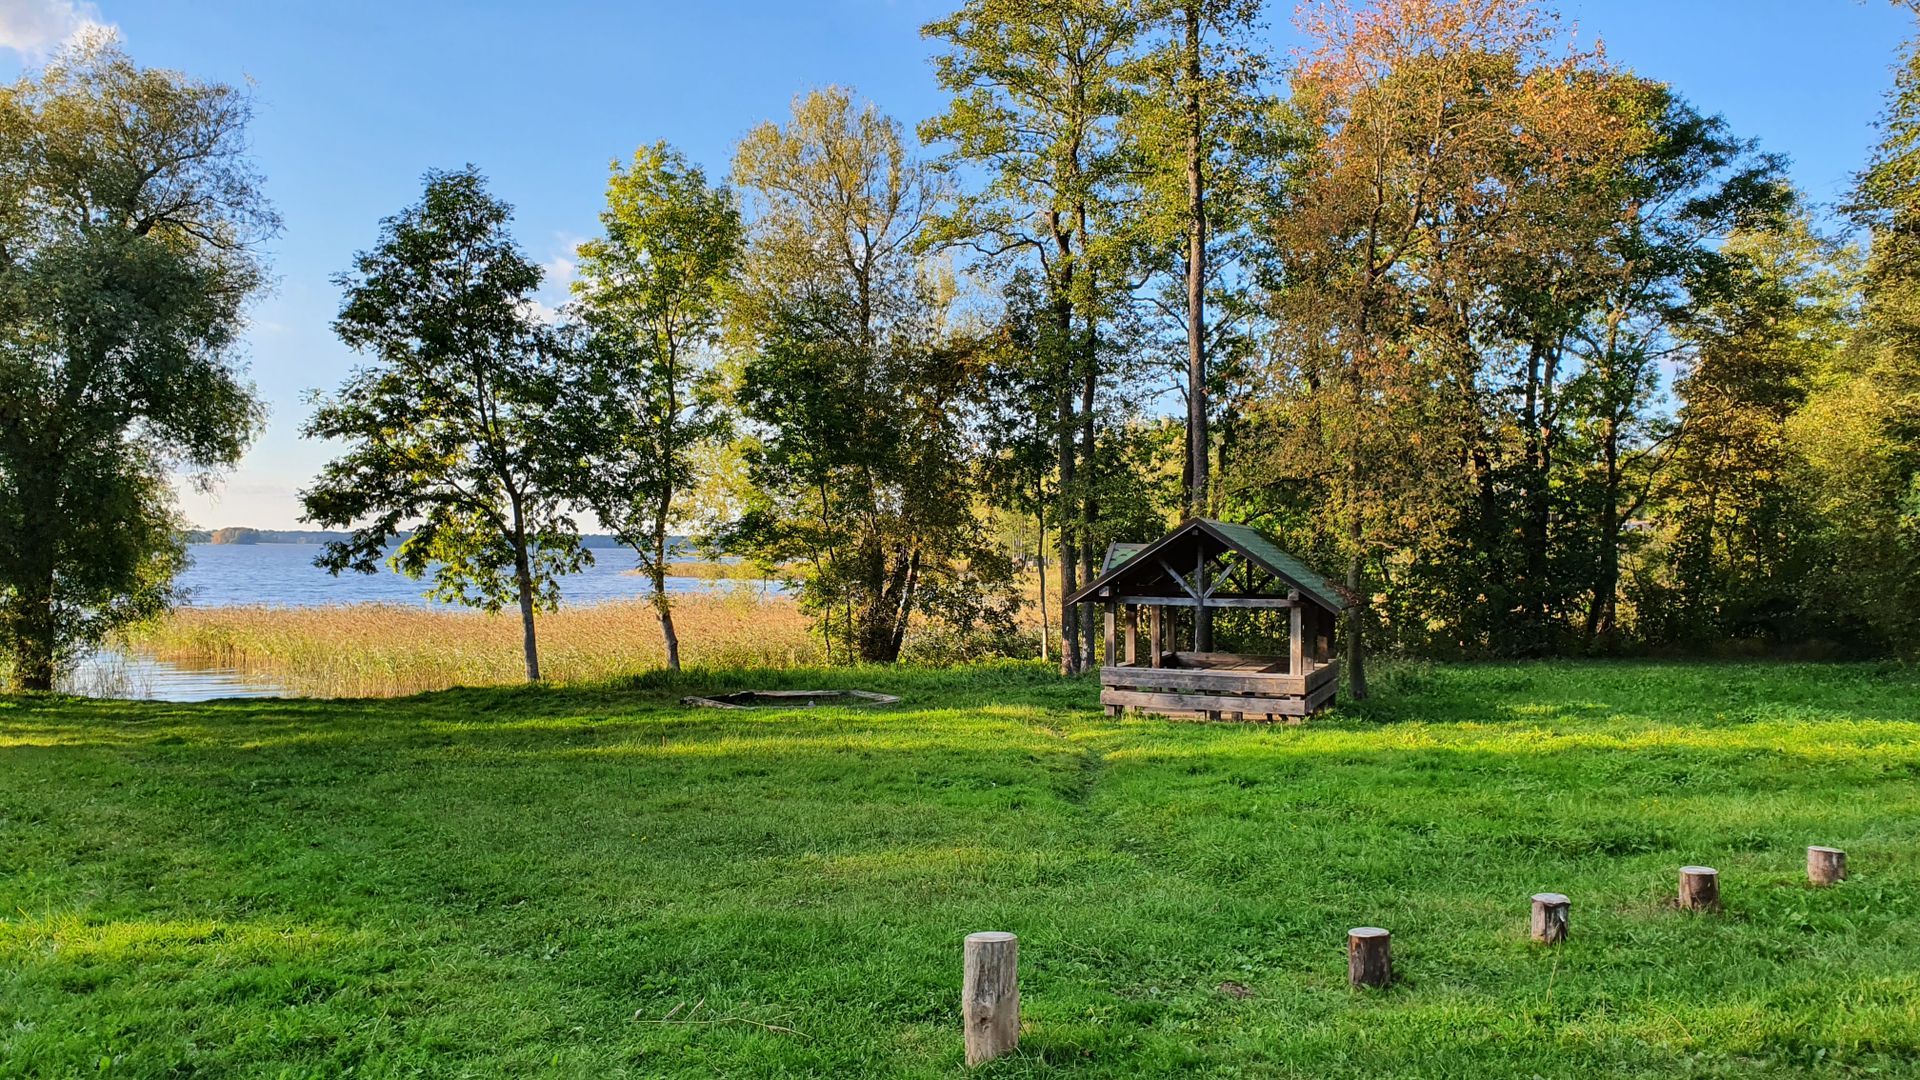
(637, 406)
(851, 383)
(129, 220)
(1490, 412)
(450, 431)
(1746, 550)
(1038, 90)
(524, 882)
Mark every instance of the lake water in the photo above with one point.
(283, 575)
(110, 673)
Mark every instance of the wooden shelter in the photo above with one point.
(1204, 566)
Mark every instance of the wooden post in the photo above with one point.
(1369, 956)
(1550, 917)
(1133, 634)
(1156, 643)
(1202, 618)
(1296, 636)
(1826, 865)
(1112, 656)
(1699, 888)
(990, 995)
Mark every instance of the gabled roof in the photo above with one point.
(1118, 553)
(1138, 561)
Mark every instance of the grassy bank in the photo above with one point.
(529, 882)
(388, 649)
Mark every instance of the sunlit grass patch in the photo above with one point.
(519, 881)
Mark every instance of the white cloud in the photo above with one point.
(546, 313)
(37, 27)
(560, 271)
(556, 278)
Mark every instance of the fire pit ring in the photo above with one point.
(789, 699)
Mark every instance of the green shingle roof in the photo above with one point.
(1118, 553)
(1255, 543)
(1249, 541)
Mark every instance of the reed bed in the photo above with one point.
(382, 650)
(738, 570)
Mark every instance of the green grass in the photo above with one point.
(489, 883)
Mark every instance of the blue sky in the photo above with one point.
(356, 100)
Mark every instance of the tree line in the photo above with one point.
(1533, 354)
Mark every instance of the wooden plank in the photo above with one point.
(797, 693)
(1229, 659)
(1323, 675)
(1229, 601)
(1323, 696)
(1152, 702)
(1156, 642)
(1175, 574)
(1225, 682)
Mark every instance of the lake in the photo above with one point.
(283, 575)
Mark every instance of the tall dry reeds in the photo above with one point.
(355, 650)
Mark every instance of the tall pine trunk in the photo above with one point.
(1068, 549)
(1090, 503)
(1197, 448)
(1062, 369)
(1089, 357)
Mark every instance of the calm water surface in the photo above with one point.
(283, 575)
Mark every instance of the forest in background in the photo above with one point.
(1537, 356)
(1532, 354)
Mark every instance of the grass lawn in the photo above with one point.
(513, 882)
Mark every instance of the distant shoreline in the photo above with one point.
(245, 536)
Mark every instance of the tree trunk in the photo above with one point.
(904, 608)
(1356, 658)
(33, 661)
(1197, 441)
(1040, 552)
(661, 604)
(1062, 369)
(523, 578)
(1090, 503)
(1197, 449)
(1534, 601)
(1601, 612)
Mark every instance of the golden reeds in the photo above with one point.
(354, 650)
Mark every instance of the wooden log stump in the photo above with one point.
(990, 995)
(1369, 956)
(1826, 866)
(1550, 917)
(1699, 888)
